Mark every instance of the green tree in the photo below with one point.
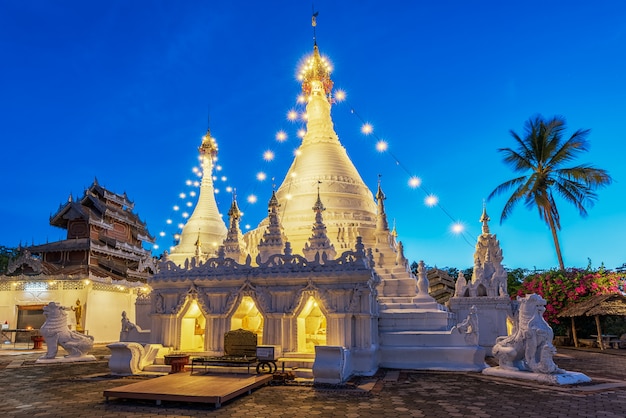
(541, 157)
(6, 254)
(515, 278)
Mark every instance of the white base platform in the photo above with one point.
(466, 359)
(80, 359)
(565, 378)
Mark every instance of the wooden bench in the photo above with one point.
(240, 349)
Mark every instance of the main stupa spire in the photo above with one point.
(351, 211)
(205, 225)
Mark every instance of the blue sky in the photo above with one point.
(121, 90)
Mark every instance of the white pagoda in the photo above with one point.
(322, 271)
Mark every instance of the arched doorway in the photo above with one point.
(311, 325)
(248, 317)
(192, 329)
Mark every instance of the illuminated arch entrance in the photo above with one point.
(248, 317)
(192, 329)
(311, 327)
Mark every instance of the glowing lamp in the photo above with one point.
(292, 115)
(281, 136)
(268, 155)
(415, 182)
(431, 200)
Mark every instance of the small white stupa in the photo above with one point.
(205, 230)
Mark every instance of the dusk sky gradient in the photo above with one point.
(121, 90)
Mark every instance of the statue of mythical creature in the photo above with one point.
(529, 347)
(56, 332)
(469, 326)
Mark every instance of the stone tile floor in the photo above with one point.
(75, 390)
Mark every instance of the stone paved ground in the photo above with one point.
(62, 390)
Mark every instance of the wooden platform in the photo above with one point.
(185, 387)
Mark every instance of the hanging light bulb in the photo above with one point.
(268, 155)
(367, 128)
(281, 136)
(292, 115)
(458, 228)
(431, 200)
(340, 95)
(415, 182)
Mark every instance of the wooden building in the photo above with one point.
(98, 269)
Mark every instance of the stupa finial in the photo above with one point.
(484, 218)
(319, 206)
(380, 196)
(381, 216)
(208, 146)
(314, 23)
(315, 71)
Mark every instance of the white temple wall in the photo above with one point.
(143, 309)
(365, 331)
(290, 293)
(273, 329)
(165, 330)
(353, 326)
(102, 312)
(289, 338)
(492, 315)
(219, 326)
(102, 303)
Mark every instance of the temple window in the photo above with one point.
(311, 327)
(192, 329)
(248, 317)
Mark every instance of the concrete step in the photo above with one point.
(295, 362)
(310, 356)
(422, 339)
(414, 320)
(157, 368)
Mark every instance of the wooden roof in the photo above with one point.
(611, 304)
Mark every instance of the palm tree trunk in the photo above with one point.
(555, 237)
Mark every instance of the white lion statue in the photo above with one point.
(529, 347)
(56, 332)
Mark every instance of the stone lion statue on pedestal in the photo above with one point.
(56, 332)
(529, 347)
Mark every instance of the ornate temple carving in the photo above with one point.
(489, 277)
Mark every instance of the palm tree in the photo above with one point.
(541, 156)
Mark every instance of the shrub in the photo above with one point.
(560, 288)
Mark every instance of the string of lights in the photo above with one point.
(297, 116)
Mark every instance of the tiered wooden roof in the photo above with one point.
(93, 225)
